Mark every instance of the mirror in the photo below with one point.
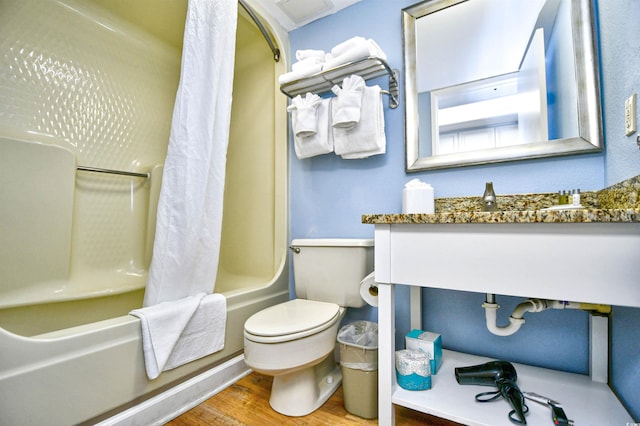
(490, 81)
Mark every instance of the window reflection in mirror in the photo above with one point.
(497, 80)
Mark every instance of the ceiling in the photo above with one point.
(292, 14)
(165, 18)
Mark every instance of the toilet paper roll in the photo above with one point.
(369, 290)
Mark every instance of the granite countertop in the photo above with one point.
(618, 203)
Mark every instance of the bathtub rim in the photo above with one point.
(236, 298)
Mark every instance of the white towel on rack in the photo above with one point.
(305, 119)
(368, 137)
(348, 103)
(309, 62)
(304, 71)
(180, 331)
(305, 64)
(303, 54)
(346, 45)
(352, 50)
(322, 141)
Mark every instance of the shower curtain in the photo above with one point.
(189, 220)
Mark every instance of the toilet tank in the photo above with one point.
(330, 270)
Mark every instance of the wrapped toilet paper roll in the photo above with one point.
(369, 290)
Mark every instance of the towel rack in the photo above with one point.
(367, 68)
(113, 172)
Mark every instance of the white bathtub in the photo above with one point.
(75, 246)
(90, 371)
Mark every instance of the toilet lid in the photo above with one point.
(291, 317)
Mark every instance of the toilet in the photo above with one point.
(295, 341)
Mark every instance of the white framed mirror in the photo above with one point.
(490, 81)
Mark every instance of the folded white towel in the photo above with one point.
(305, 64)
(322, 141)
(177, 332)
(341, 48)
(368, 137)
(346, 107)
(310, 53)
(358, 48)
(305, 119)
(304, 71)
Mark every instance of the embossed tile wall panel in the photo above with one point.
(74, 75)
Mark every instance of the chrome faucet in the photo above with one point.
(489, 203)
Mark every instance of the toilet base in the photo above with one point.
(304, 391)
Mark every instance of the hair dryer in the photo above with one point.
(500, 374)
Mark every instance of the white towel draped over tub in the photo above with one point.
(181, 331)
(189, 219)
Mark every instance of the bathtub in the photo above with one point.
(94, 370)
(76, 245)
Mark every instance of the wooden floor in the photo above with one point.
(247, 403)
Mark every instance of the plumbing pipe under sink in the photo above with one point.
(530, 305)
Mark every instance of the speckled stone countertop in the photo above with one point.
(617, 203)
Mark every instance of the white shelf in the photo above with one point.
(584, 401)
(419, 255)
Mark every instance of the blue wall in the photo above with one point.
(620, 62)
(329, 195)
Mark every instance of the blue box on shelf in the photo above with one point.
(429, 342)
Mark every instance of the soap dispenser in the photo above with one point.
(489, 203)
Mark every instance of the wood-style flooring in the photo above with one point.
(246, 403)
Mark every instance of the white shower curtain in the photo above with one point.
(189, 219)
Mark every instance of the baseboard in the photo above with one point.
(179, 399)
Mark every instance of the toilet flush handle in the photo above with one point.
(295, 249)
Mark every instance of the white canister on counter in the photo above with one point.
(417, 197)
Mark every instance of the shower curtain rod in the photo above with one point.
(263, 30)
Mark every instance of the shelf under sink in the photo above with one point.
(584, 401)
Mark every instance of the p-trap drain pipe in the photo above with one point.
(530, 305)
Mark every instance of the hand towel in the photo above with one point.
(368, 137)
(355, 49)
(346, 107)
(305, 119)
(322, 141)
(177, 332)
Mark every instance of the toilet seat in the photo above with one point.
(291, 320)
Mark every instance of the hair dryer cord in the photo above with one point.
(509, 391)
